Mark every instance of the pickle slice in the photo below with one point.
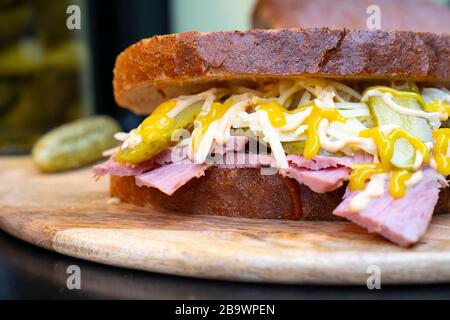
(404, 154)
(383, 115)
(294, 147)
(75, 144)
(185, 119)
(156, 133)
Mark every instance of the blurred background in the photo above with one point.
(51, 75)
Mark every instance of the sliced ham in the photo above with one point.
(323, 162)
(320, 181)
(114, 168)
(234, 143)
(240, 160)
(170, 177)
(402, 220)
(177, 154)
(321, 174)
(252, 160)
(170, 155)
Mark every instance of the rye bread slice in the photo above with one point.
(243, 193)
(162, 67)
(407, 15)
(240, 193)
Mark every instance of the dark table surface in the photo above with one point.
(28, 272)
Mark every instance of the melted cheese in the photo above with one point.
(206, 127)
(344, 140)
(309, 114)
(271, 137)
(214, 124)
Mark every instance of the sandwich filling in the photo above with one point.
(390, 143)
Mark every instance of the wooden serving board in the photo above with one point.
(70, 213)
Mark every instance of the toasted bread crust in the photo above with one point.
(161, 67)
(409, 15)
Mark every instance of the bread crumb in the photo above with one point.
(113, 201)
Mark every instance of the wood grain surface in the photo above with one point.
(70, 213)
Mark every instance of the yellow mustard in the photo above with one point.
(361, 172)
(216, 111)
(312, 145)
(441, 137)
(438, 106)
(154, 133)
(276, 113)
(397, 186)
(158, 121)
(385, 147)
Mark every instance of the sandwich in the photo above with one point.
(311, 124)
(404, 15)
